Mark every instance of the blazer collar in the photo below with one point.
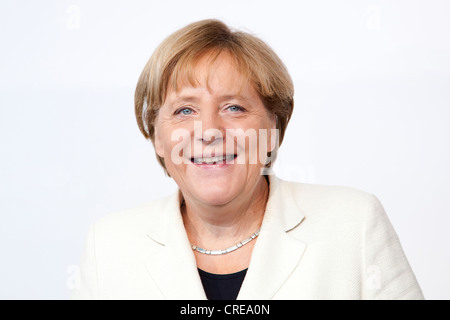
(275, 255)
(173, 266)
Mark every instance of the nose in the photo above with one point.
(209, 129)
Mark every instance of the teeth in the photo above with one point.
(213, 160)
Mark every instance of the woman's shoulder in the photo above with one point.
(326, 191)
(133, 218)
(338, 210)
(331, 199)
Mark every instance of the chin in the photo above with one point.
(215, 195)
(213, 185)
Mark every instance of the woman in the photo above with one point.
(216, 104)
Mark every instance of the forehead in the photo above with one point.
(215, 71)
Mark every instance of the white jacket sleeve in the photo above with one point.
(87, 284)
(387, 273)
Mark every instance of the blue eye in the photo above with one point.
(184, 111)
(235, 108)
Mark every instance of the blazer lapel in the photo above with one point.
(173, 266)
(276, 254)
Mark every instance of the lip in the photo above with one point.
(218, 164)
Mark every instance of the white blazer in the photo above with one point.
(316, 242)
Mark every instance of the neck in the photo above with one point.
(226, 224)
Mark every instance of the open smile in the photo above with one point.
(223, 159)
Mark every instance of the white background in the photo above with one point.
(372, 111)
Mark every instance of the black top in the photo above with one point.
(222, 286)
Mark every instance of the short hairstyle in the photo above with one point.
(176, 57)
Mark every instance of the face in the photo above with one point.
(214, 136)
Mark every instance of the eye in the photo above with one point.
(184, 111)
(235, 108)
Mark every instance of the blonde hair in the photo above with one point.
(175, 60)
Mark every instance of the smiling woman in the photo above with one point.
(216, 104)
(202, 181)
(191, 56)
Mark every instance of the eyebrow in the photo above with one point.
(186, 98)
(233, 96)
(196, 99)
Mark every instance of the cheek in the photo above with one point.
(159, 144)
(163, 141)
(251, 137)
(174, 145)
